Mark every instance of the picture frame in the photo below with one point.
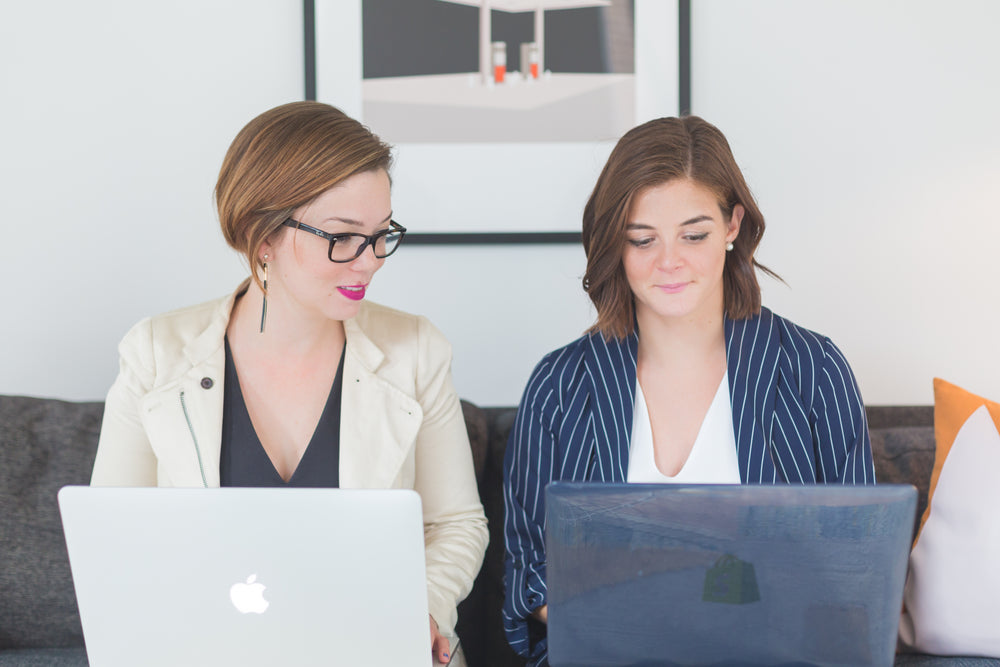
(500, 192)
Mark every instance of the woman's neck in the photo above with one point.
(287, 330)
(682, 341)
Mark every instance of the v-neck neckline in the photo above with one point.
(258, 447)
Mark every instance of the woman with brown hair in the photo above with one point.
(295, 379)
(685, 377)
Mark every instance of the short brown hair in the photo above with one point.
(653, 154)
(283, 159)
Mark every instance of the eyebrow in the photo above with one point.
(356, 223)
(692, 221)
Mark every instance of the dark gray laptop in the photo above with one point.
(642, 574)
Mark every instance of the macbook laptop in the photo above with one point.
(642, 574)
(250, 577)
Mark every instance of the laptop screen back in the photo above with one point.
(254, 577)
(701, 575)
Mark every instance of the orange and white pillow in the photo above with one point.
(952, 594)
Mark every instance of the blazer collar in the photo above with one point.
(365, 351)
(183, 416)
(761, 379)
(611, 369)
(751, 360)
(379, 421)
(209, 342)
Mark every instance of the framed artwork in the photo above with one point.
(501, 112)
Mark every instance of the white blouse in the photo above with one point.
(713, 457)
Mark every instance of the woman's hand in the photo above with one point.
(542, 614)
(440, 647)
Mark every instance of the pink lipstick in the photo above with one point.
(672, 288)
(353, 292)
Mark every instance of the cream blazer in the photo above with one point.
(401, 425)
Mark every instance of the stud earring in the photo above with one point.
(729, 247)
(263, 309)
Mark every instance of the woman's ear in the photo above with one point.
(734, 223)
(265, 253)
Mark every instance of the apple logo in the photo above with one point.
(248, 598)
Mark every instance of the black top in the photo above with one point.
(243, 461)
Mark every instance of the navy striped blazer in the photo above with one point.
(797, 416)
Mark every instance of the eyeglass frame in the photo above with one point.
(370, 239)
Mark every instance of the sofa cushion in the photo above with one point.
(952, 589)
(44, 657)
(482, 636)
(905, 455)
(891, 416)
(44, 445)
(476, 425)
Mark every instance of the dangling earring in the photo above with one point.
(729, 247)
(263, 310)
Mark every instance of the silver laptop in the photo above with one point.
(250, 577)
(644, 574)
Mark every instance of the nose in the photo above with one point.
(669, 257)
(367, 261)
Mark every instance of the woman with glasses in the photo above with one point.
(685, 377)
(296, 379)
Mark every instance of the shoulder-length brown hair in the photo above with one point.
(652, 154)
(283, 159)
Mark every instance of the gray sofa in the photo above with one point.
(46, 444)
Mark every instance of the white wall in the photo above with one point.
(114, 119)
(868, 130)
(865, 128)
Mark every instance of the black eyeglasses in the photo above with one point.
(349, 246)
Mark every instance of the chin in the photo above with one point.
(341, 311)
(674, 311)
(342, 314)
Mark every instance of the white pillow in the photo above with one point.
(952, 595)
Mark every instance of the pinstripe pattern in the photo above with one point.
(797, 415)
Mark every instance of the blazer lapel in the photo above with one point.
(752, 348)
(378, 422)
(770, 421)
(184, 417)
(791, 441)
(610, 366)
(184, 423)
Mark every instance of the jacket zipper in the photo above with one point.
(194, 438)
